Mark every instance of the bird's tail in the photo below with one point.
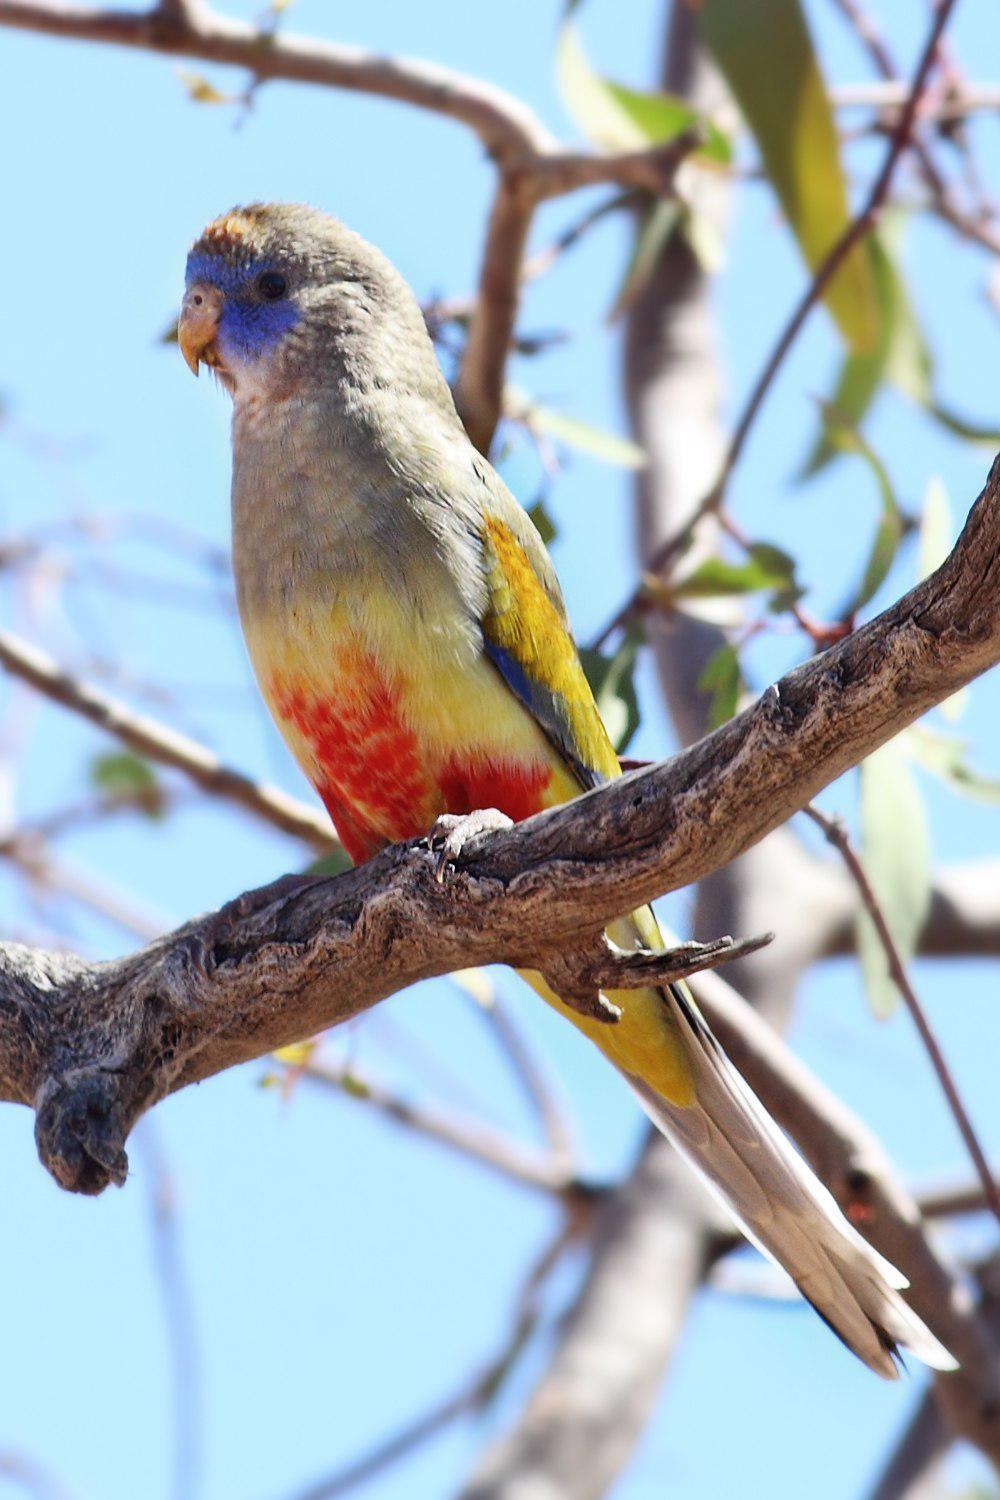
(729, 1138)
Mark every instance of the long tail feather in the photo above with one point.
(729, 1138)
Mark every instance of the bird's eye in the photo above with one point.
(271, 285)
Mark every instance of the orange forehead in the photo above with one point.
(229, 232)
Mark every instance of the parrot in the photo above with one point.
(407, 631)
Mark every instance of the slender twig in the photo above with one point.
(91, 890)
(461, 1133)
(536, 1087)
(836, 834)
(164, 745)
(472, 1396)
(953, 1202)
(29, 1475)
(859, 227)
(890, 96)
(531, 165)
(943, 199)
(922, 1443)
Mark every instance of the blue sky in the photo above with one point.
(344, 1275)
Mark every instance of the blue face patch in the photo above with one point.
(249, 326)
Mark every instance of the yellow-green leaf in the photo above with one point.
(945, 757)
(899, 356)
(937, 532)
(575, 434)
(202, 90)
(612, 681)
(651, 239)
(891, 525)
(721, 678)
(764, 51)
(895, 851)
(621, 118)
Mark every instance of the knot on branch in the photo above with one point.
(80, 1130)
(580, 976)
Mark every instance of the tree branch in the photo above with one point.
(165, 746)
(92, 1047)
(861, 225)
(836, 834)
(963, 920)
(531, 165)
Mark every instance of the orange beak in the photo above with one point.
(199, 323)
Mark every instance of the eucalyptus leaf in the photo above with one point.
(765, 53)
(945, 757)
(721, 677)
(124, 776)
(620, 118)
(895, 851)
(334, 863)
(891, 524)
(607, 446)
(899, 356)
(654, 233)
(612, 681)
(765, 567)
(543, 523)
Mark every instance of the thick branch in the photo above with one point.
(92, 1047)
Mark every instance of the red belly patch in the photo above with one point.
(369, 768)
(468, 783)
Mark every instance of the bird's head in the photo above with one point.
(280, 297)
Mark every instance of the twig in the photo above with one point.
(460, 1133)
(836, 835)
(291, 960)
(472, 1396)
(952, 1202)
(26, 1472)
(891, 95)
(859, 227)
(924, 1440)
(535, 1086)
(943, 199)
(530, 163)
(165, 746)
(87, 887)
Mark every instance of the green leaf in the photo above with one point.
(334, 863)
(652, 237)
(722, 678)
(895, 851)
(944, 756)
(606, 446)
(543, 523)
(766, 567)
(974, 432)
(201, 90)
(620, 118)
(122, 776)
(937, 532)
(612, 681)
(899, 355)
(765, 53)
(936, 528)
(891, 525)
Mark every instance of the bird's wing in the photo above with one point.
(526, 635)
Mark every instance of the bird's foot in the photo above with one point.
(452, 831)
